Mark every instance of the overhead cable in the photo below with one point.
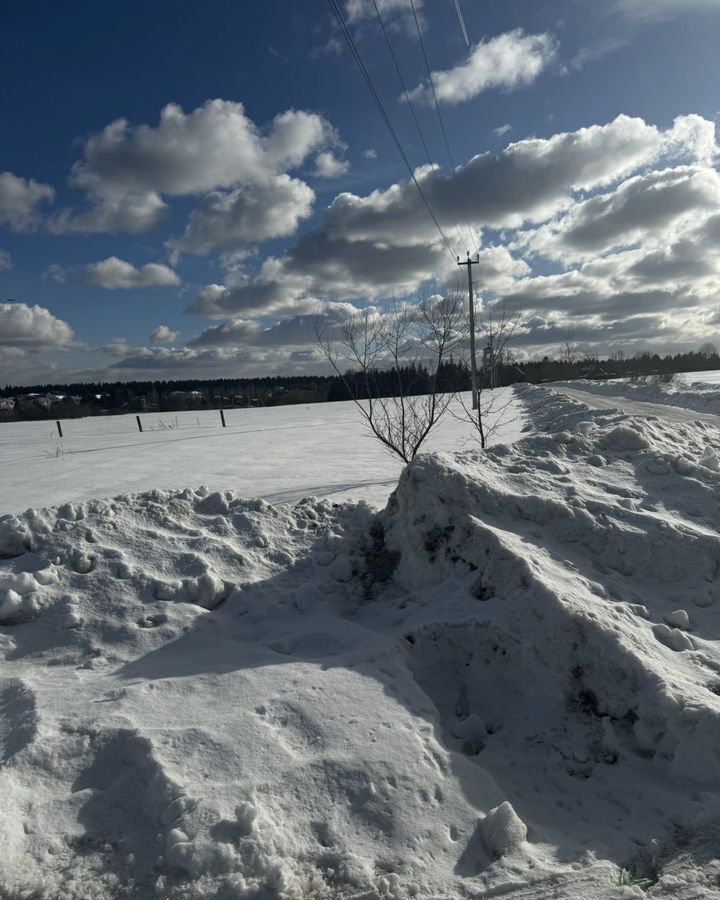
(437, 105)
(388, 124)
(412, 112)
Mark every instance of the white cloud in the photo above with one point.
(642, 267)
(327, 165)
(19, 201)
(33, 328)
(647, 282)
(127, 170)
(511, 60)
(116, 274)
(117, 347)
(370, 153)
(132, 213)
(294, 331)
(502, 130)
(359, 10)
(5, 260)
(644, 206)
(163, 335)
(657, 10)
(249, 214)
(55, 273)
(212, 362)
(530, 181)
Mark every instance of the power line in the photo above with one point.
(388, 124)
(437, 105)
(412, 112)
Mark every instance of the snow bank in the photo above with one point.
(507, 683)
(698, 396)
(588, 672)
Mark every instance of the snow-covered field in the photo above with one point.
(281, 453)
(504, 684)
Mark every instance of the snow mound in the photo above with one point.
(585, 681)
(506, 683)
(503, 829)
(699, 396)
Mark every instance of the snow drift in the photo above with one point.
(505, 684)
(700, 396)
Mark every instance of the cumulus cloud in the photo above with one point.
(628, 212)
(287, 345)
(510, 61)
(118, 347)
(127, 170)
(226, 220)
(658, 291)
(5, 260)
(529, 181)
(641, 207)
(33, 328)
(384, 243)
(294, 331)
(117, 274)
(19, 201)
(327, 165)
(163, 335)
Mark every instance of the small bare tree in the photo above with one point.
(496, 330)
(406, 340)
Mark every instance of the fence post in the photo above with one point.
(59, 428)
(222, 418)
(139, 424)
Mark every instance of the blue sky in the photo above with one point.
(268, 193)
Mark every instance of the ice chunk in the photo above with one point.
(709, 459)
(10, 606)
(503, 830)
(679, 619)
(585, 427)
(47, 576)
(207, 591)
(673, 638)
(23, 583)
(623, 437)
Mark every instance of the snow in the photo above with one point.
(504, 683)
(702, 396)
(503, 830)
(281, 453)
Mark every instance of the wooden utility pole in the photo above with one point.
(473, 358)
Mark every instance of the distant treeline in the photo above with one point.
(58, 401)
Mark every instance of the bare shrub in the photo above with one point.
(390, 364)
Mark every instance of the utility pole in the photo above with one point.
(473, 359)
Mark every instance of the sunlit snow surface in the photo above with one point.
(281, 453)
(505, 684)
(694, 392)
